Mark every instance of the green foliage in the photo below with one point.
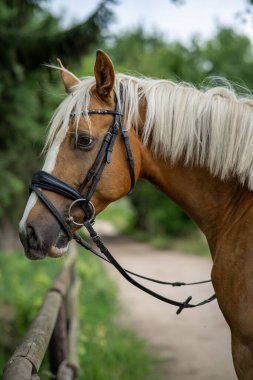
(121, 214)
(29, 37)
(156, 215)
(106, 351)
(150, 55)
(23, 285)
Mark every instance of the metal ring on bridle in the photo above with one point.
(92, 208)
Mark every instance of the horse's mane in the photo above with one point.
(211, 128)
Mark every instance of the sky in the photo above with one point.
(176, 22)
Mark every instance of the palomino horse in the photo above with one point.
(196, 146)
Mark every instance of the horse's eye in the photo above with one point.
(84, 141)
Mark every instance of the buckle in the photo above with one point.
(71, 219)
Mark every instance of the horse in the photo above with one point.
(195, 145)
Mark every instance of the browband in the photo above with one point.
(96, 111)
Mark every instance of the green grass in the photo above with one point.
(106, 350)
(23, 284)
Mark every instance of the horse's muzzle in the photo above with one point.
(39, 243)
(31, 243)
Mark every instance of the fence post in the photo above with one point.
(69, 367)
(58, 345)
(28, 356)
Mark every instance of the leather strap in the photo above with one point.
(105, 151)
(91, 248)
(46, 181)
(96, 111)
(98, 159)
(129, 157)
(104, 250)
(53, 210)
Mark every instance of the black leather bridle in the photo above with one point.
(43, 180)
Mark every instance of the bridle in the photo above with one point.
(46, 181)
(43, 180)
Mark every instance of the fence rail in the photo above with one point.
(54, 328)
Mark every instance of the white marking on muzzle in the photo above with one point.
(30, 204)
(48, 167)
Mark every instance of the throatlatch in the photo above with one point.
(42, 180)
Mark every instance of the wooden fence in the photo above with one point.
(54, 328)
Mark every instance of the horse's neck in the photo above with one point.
(216, 206)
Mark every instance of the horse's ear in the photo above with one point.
(69, 79)
(104, 75)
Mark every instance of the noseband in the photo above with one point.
(43, 180)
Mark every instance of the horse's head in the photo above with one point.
(73, 144)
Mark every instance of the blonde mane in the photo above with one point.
(211, 128)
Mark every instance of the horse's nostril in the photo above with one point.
(32, 237)
(34, 241)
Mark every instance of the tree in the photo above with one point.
(30, 36)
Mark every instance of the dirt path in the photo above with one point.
(195, 344)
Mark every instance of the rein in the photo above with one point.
(43, 180)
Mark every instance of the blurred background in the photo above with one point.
(181, 40)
